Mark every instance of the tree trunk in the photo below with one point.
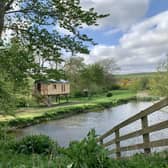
(2, 15)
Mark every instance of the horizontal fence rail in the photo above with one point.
(144, 132)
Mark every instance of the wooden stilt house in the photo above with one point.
(52, 88)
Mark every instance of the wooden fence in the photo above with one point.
(144, 131)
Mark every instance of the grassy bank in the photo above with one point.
(39, 161)
(36, 152)
(29, 116)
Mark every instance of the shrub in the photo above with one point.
(85, 93)
(78, 94)
(109, 94)
(5, 136)
(19, 122)
(40, 144)
(88, 153)
(21, 102)
(115, 87)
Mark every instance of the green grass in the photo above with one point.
(28, 116)
(135, 75)
(31, 152)
(10, 159)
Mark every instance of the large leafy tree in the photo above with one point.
(35, 23)
(73, 67)
(93, 78)
(39, 19)
(38, 46)
(90, 77)
(15, 66)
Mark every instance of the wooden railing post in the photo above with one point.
(101, 141)
(145, 132)
(117, 135)
(146, 138)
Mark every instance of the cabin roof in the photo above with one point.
(52, 81)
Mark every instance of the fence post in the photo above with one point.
(101, 141)
(146, 138)
(117, 135)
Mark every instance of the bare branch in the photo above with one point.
(19, 11)
(15, 28)
(8, 5)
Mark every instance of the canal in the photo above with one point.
(76, 127)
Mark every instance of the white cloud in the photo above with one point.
(123, 13)
(112, 31)
(62, 30)
(140, 49)
(7, 35)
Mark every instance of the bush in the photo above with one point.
(88, 153)
(19, 122)
(5, 136)
(21, 102)
(40, 144)
(115, 87)
(78, 94)
(109, 94)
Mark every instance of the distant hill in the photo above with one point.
(135, 75)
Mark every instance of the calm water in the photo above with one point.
(77, 127)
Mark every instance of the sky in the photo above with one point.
(135, 34)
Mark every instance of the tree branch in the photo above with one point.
(14, 28)
(8, 5)
(18, 11)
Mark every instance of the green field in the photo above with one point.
(26, 116)
(135, 75)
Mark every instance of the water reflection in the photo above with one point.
(77, 127)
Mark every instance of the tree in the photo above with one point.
(159, 83)
(109, 65)
(6, 96)
(84, 77)
(38, 20)
(16, 63)
(39, 45)
(35, 24)
(15, 67)
(92, 78)
(73, 67)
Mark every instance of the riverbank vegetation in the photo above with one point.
(28, 116)
(41, 152)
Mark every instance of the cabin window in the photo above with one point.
(39, 87)
(63, 87)
(55, 86)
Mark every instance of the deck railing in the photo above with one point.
(144, 131)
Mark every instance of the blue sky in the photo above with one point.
(155, 7)
(135, 34)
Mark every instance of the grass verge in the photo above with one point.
(27, 117)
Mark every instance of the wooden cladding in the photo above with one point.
(144, 132)
(53, 89)
(63, 88)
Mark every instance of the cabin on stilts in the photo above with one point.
(52, 89)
